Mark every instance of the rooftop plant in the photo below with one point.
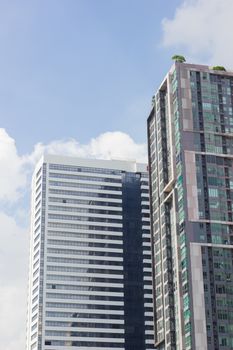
(219, 68)
(178, 58)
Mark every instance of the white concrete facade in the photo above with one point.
(76, 283)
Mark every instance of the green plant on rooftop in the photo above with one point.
(178, 58)
(219, 68)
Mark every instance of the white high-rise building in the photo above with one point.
(90, 284)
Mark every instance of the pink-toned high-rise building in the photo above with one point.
(190, 140)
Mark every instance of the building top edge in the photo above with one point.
(194, 66)
(202, 67)
(116, 164)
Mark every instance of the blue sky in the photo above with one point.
(77, 68)
(72, 73)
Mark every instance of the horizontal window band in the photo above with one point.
(83, 210)
(84, 227)
(84, 194)
(87, 202)
(83, 306)
(83, 252)
(85, 344)
(83, 185)
(84, 178)
(83, 334)
(99, 236)
(82, 297)
(64, 314)
(77, 323)
(84, 270)
(79, 169)
(82, 279)
(83, 288)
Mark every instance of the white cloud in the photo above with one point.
(114, 145)
(109, 145)
(13, 175)
(16, 169)
(13, 287)
(15, 179)
(203, 30)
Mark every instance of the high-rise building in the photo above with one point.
(190, 141)
(90, 284)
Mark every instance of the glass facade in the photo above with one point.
(190, 140)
